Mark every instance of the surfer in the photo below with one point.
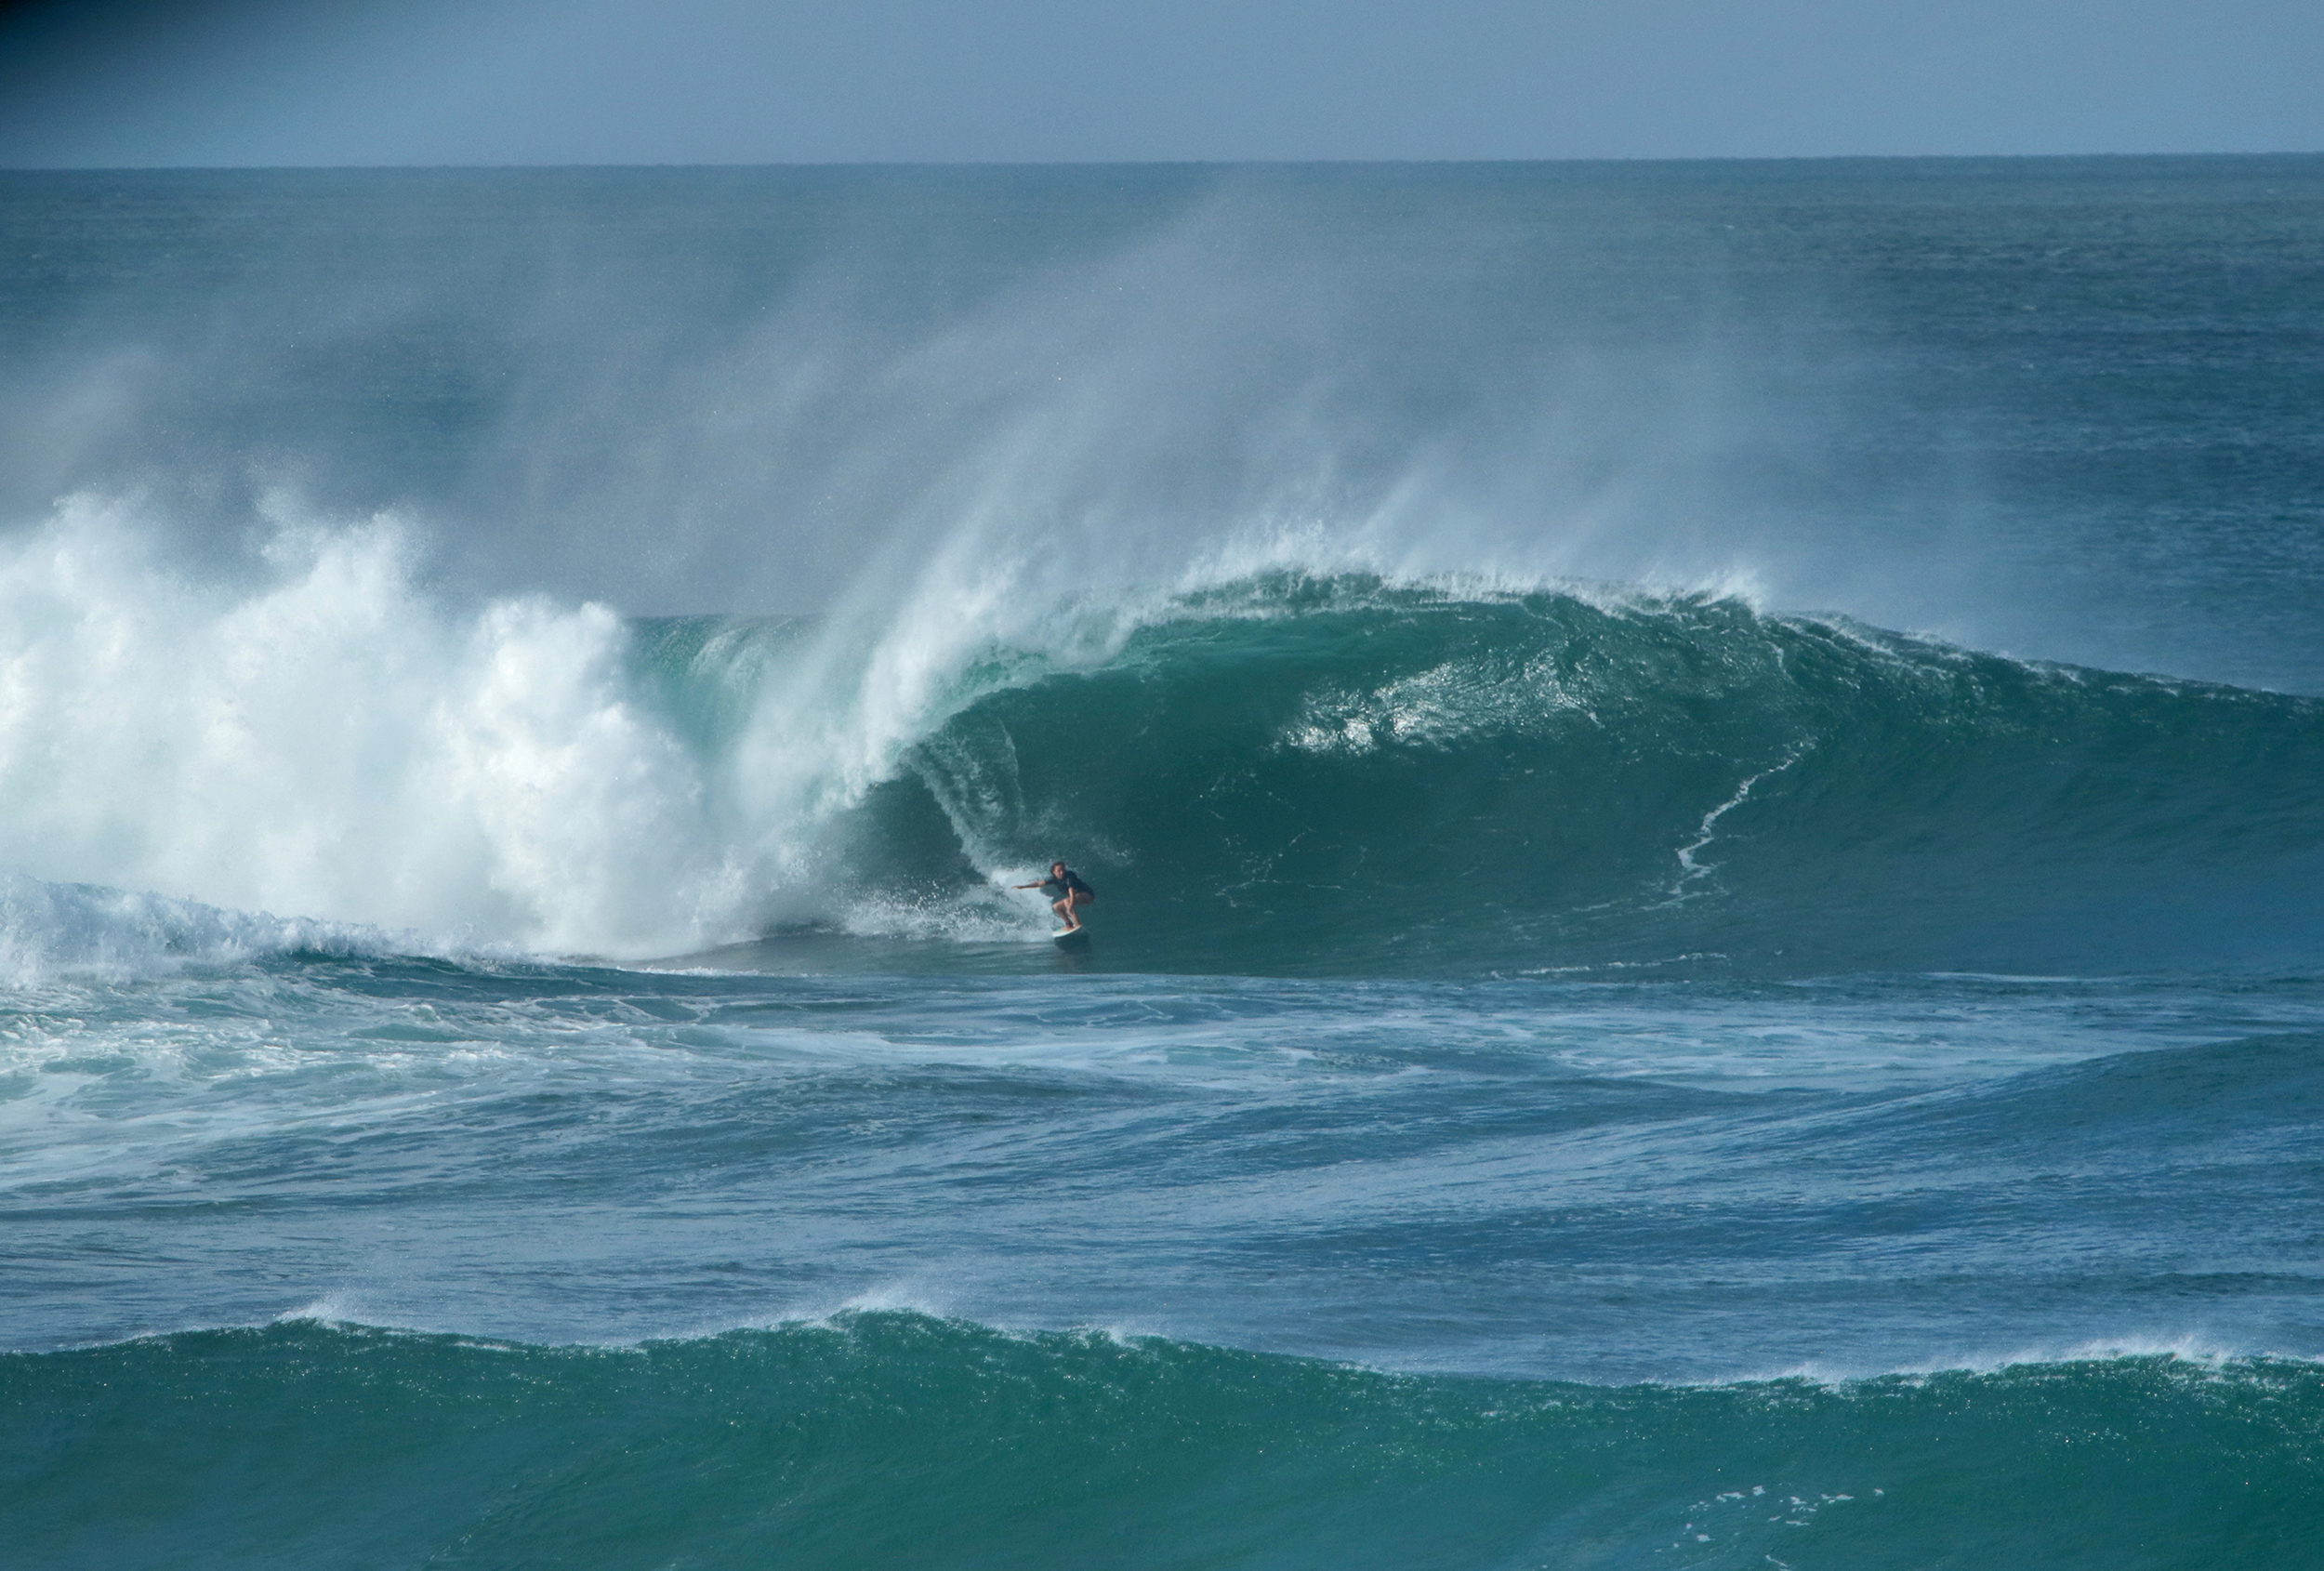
(1071, 892)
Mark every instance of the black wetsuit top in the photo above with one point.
(1070, 884)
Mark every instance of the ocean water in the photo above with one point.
(1706, 782)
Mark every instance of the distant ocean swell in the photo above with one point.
(1272, 772)
(891, 1439)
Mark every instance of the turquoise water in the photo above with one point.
(887, 1437)
(1706, 784)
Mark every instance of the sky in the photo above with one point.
(261, 83)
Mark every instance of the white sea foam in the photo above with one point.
(330, 744)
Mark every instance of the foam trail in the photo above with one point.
(1691, 870)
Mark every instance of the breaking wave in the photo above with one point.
(1279, 771)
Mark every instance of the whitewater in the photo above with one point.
(1706, 781)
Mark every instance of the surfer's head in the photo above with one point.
(1056, 867)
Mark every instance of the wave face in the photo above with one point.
(893, 1439)
(1301, 773)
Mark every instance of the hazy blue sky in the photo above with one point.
(333, 82)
